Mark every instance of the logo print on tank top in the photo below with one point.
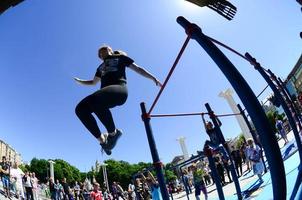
(111, 65)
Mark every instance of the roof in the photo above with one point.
(176, 159)
(293, 71)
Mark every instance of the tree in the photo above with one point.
(40, 167)
(240, 141)
(274, 101)
(64, 170)
(25, 168)
(271, 118)
(61, 169)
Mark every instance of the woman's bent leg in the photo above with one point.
(84, 113)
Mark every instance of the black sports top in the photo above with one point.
(112, 70)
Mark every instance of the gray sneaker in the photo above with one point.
(112, 140)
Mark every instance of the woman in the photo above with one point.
(111, 73)
(199, 182)
(254, 155)
(96, 194)
(17, 174)
(153, 185)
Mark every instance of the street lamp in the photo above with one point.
(222, 7)
(51, 162)
(105, 176)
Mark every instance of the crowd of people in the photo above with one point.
(143, 187)
(16, 183)
(21, 185)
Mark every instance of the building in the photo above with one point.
(10, 153)
(293, 81)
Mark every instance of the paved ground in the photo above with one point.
(229, 190)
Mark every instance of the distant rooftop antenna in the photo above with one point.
(222, 7)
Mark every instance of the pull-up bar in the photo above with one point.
(193, 114)
(177, 114)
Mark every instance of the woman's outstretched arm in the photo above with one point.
(144, 73)
(94, 81)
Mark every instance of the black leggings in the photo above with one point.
(99, 103)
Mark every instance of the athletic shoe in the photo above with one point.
(104, 144)
(112, 139)
(105, 149)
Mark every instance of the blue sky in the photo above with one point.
(44, 44)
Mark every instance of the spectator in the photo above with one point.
(58, 190)
(106, 195)
(4, 172)
(281, 130)
(237, 160)
(86, 189)
(28, 186)
(131, 191)
(220, 170)
(243, 156)
(17, 174)
(186, 181)
(117, 191)
(153, 185)
(76, 189)
(207, 176)
(226, 166)
(52, 190)
(65, 189)
(35, 186)
(139, 189)
(254, 155)
(199, 183)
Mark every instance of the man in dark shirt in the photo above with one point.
(52, 189)
(65, 189)
(4, 172)
(237, 160)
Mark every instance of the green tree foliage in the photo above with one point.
(119, 171)
(40, 167)
(271, 118)
(64, 170)
(274, 101)
(24, 168)
(169, 174)
(61, 169)
(240, 141)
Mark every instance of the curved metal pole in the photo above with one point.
(287, 99)
(209, 154)
(282, 102)
(183, 180)
(255, 138)
(252, 105)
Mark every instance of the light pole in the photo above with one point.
(51, 168)
(105, 176)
